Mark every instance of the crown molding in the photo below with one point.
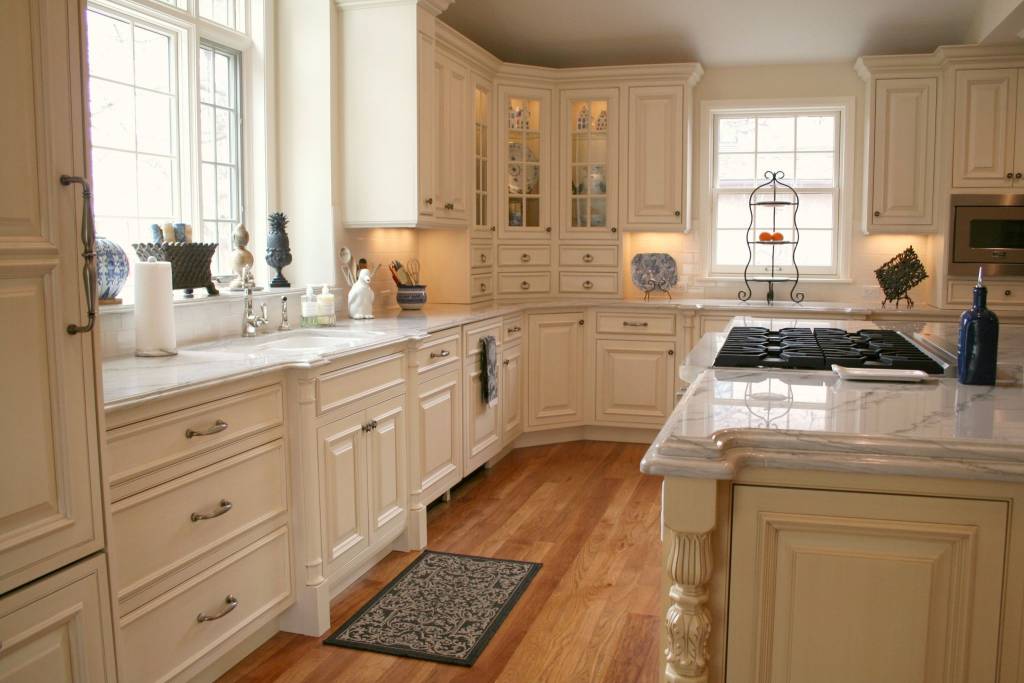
(947, 55)
(434, 7)
(478, 57)
(689, 72)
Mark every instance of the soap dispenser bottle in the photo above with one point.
(979, 340)
(309, 309)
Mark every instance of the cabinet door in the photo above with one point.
(385, 452)
(525, 171)
(439, 434)
(853, 587)
(655, 151)
(482, 159)
(634, 381)
(426, 131)
(453, 145)
(984, 122)
(483, 421)
(50, 510)
(555, 380)
(511, 387)
(58, 629)
(588, 175)
(903, 163)
(342, 446)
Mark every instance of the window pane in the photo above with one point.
(815, 211)
(731, 247)
(207, 149)
(154, 123)
(209, 191)
(773, 218)
(224, 129)
(223, 12)
(225, 193)
(206, 76)
(156, 196)
(736, 167)
(152, 60)
(815, 248)
(736, 135)
(815, 133)
(774, 162)
(222, 80)
(732, 211)
(114, 175)
(775, 134)
(110, 48)
(815, 167)
(113, 117)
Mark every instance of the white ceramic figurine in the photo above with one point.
(360, 297)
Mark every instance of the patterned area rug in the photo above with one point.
(442, 607)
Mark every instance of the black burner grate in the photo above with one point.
(820, 348)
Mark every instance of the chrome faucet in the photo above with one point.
(284, 326)
(251, 322)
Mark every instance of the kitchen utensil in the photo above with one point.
(345, 256)
(412, 266)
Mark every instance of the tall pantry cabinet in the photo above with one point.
(55, 628)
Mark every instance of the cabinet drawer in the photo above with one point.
(641, 324)
(512, 328)
(602, 256)
(481, 286)
(999, 293)
(439, 350)
(140, 448)
(524, 255)
(524, 283)
(165, 637)
(347, 386)
(477, 331)
(588, 283)
(481, 256)
(160, 532)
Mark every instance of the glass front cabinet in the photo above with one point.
(587, 184)
(525, 119)
(483, 223)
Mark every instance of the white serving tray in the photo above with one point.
(880, 374)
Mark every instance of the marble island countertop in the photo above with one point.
(730, 419)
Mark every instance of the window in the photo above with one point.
(167, 143)
(807, 145)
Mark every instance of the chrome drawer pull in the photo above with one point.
(232, 602)
(629, 323)
(443, 354)
(588, 258)
(218, 427)
(225, 506)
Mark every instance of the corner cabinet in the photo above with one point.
(588, 172)
(988, 150)
(656, 157)
(555, 369)
(526, 210)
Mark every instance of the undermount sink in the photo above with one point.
(305, 342)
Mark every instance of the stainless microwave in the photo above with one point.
(987, 233)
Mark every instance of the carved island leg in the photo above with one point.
(689, 515)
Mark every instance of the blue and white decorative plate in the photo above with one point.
(653, 271)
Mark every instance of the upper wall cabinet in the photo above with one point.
(451, 180)
(483, 223)
(656, 158)
(588, 173)
(526, 210)
(986, 151)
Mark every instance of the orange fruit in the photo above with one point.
(765, 237)
(778, 236)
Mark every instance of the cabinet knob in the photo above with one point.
(587, 284)
(524, 285)
(483, 258)
(1018, 175)
(525, 258)
(671, 352)
(615, 229)
(588, 258)
(1007, 292)
(449, 206)
(877, 214)
(1009, 176)
(483, 286)
(505, 362)
(428, 201)
(493, 228)
(581, 322)
(678, 213)
(547, 229)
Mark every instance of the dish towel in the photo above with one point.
(489, 369)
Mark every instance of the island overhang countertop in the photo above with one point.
(734, 418)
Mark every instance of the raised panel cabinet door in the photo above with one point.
(853, 587)
(342, 446)
(903, 167)
(386, 453)
(426, 122)
(588, 186)
(483, 420)
(439, 434)
(452, 179)
(634, 381)
(59, 630)
(555, 369)
(511, 388)
(983, 125)
(50, 510)
(655, 150)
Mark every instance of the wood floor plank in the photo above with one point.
(586, 512)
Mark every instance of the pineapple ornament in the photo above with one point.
(279, 253)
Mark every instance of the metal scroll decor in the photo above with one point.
(774, 195)
(899, 275)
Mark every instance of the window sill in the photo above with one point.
(816, 279)
(225, 297)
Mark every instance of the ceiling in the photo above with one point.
(561, 33)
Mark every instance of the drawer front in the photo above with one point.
(477, 331)
(138, 449)
(165, 637)
(640, 324)
(518, 256)
(999, 293)
(588, 283)
(524, 283)
(602, 256)
(163, 530)
(481, 256)
(512, 328)
(348, 386)
(481, 286)
(439, 350)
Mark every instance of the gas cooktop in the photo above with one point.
(801, 348)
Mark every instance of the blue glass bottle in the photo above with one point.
(979, 340)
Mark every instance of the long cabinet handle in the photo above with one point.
(513, 330)
(88, 253)
(223, 507)
(218, 427)
(443, 354)
(629, 323)
(232, 602)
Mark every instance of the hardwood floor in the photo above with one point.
(592, 613)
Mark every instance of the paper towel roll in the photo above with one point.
(154, 309)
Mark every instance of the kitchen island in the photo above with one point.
(818, 529)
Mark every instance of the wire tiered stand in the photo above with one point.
(789, 197)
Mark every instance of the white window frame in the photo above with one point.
(846, 107)
(256, 89)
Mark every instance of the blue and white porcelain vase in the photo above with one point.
(111, 269)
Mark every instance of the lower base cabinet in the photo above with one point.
(555, 373)
(510, 384)
(850, 587)
(482, 417)
(634, 381)
(438, 434)
(59, 629)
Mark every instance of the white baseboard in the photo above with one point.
(589, 433)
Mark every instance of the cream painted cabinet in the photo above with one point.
(426, 120)
(50, 509)
(483, 168)
(482, 418)
(634, 381)
(527, 205)
(439, 434)
(510, 384)
(385, 453)
(343, 463)
(853, 587)
(588, 172)
(555, 376)
(986, 151)
(903, 155)
(452, 201)
(655, 167)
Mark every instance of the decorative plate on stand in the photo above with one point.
(654, 272)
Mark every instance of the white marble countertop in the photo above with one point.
(730, 419)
